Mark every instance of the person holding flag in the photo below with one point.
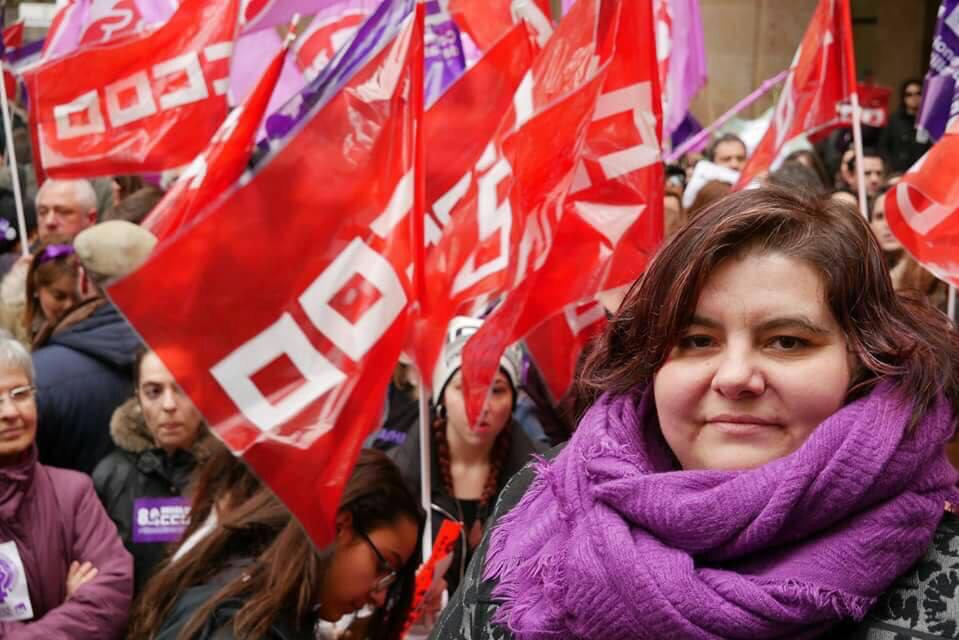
(470, 463)
(763, 455)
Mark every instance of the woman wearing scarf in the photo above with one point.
(63, 571)
(762, 457)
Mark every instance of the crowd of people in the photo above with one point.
(757, 446)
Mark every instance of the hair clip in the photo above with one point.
(55, 252)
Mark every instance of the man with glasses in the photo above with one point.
(898, 142)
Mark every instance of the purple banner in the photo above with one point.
(443, 61)
(687, 62)
(378, 30)
(940, 99)
(160, 519)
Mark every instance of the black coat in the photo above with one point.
(445, 506)
(922, 605)
(898, 144)
(138, 469)
(219, 625)
(82, 375)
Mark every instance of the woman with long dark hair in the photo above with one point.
(257, 575)
(762, 456)
(470, 463)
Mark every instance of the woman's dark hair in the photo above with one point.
(135, 206)
(811, 159)
(128, 184)
(221, 481)
(908, 82)
(43, 274)
(892, 337)
(286, 576)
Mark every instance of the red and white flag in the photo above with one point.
(144, 102)
(503, 211)
(613, 216)
(556, 344)
(290, 365)
(223, 162)
(821, 78)
(923, 208)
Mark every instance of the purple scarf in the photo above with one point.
(610, 541)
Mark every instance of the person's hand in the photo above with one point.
(78, 575)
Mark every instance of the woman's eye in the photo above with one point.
(696, 342)
(788, 343)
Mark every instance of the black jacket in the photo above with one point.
(138, 469)
(219, 625)
(82, 375)
(898, 144)
(445, 506)
(921, 605)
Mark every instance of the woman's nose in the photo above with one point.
(738, 374)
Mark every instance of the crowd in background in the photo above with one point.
(95, 433)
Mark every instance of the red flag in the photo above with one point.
(613, 219)
(502, 212)
(142, 103)
(822, 76)
(486, 22)
(221, 164)
(556, 344)
(923, 208)
(290, 365)
(13, 36)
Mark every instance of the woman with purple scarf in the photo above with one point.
(762, 456)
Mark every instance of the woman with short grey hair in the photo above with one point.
(63, 571)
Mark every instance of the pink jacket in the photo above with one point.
(54, 517)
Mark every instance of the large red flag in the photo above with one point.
(821, 78)
(141, 103)
(289, 365)
(556, 344)
(923, 208)
(221, 164)
(613, 218)
(502, 212)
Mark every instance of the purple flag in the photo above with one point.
(79, 15)
(940, 98)
(687, 63)
(444, 61)
(263, 14)
(379, 29)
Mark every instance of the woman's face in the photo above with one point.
(493, 419)
(350, 579)
(58, 296)
(761, 366)
(18, 418)
(880, 227)
(172, 419)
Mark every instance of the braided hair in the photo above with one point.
(498, 458)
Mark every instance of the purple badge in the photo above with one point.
(8, 577)
(160, 519)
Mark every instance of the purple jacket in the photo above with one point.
(54, 517)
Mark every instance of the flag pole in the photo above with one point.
(426, 466)
(951, 304)
(694, 141)
(14, 169)
(857, 142)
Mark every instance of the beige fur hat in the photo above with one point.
(110, 250)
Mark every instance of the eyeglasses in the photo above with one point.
(19, 395)
(387, 575)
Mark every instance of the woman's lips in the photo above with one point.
(742, 424)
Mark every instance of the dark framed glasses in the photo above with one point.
(387, 574)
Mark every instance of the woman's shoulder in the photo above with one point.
(923, 603)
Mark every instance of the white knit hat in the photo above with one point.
(459, 331)
(113, 249)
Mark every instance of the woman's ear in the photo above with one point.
(344, 524)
